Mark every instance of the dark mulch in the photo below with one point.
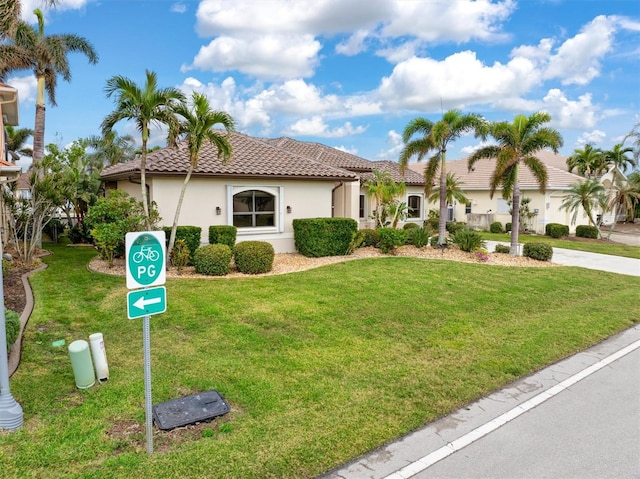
(14, 295)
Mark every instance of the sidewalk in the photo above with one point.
(579, 418)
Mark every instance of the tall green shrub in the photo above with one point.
(556, 230)
(468, 240)
(587, 231)
(390, 239)
(254, 257)
(212, 259)
(496, 227)
(189, 234)
(539, 251)
(12, 326)
(316, 237)
(223, 234)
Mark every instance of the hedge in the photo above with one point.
(556, 230)
(212, 259)
(317, 237)
(587, 231)
(223, 234)
(539, 251)
(496, 227)
(189, 234)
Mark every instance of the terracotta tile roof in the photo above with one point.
(252, 157)
(410, 177)
(479, 178)
(322, 153)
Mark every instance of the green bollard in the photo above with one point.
(81, 364)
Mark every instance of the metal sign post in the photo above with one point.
(145, 254)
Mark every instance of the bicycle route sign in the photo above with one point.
(145, 254)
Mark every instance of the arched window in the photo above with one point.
(253, 209)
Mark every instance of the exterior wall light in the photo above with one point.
(218, 210)
(289, 209)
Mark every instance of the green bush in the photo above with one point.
(539, 251)
(556, 230)
(189, 234)
(410, 226)
(390, 239)
(53, 229)
(502, 248)
(122, 213)
(223, 234)
(507, 227)
(468, 240)
(107, 239)
(432, 221)
(587, 231)
(418, 237)
(496, 227)
(371, 237)
(180, 256)
(316, 237)
(254, 257)
(12, 326)
(454, 226)
(212, 259)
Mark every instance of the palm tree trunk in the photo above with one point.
(143, 177)
(174, 227)
(442, 221)
(38, 132)
(515, 217)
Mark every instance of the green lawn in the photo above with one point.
(615, 249)
(319, 366)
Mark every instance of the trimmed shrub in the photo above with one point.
(539, 251)
(371, 237)
(212, 259)
(496, 227)
(502, 248)
(180, 256)
(390, 239)
(468, 240)
(253, 257)
(454, 226)
(587, 231)
(317, 237)
(507, 227)
(189, 234)
(223, 234)
(410, 226)
(12, 324)
(418, 237)
(556, 230)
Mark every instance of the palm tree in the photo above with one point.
(435, 137)
(47, 57)
(588, 162)
(588, 195)
(518, 142)
(634, 135)
(196, 127)
(10, 11)
(146, 106)
(383, 189)
(453, 189)
(618, 157)
(16, 139)
(111, 149)
(624, 195)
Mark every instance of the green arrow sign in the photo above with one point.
(145, 259)
(146, 302)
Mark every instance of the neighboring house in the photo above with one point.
(483, 210)
(609, 180)
(267, 184)
(8, 170)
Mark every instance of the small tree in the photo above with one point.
(385, 191)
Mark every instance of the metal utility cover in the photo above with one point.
(199, 407)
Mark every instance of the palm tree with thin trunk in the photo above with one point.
(16, 141)
(10, 11)
(146, 106)
(453, 189)
(436, 137)
(196, 126)
(587, 195)
(46, 56)
(111, 149)
(617, 157)
(623, 196)
(588, 162)
(518, 143)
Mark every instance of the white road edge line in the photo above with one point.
(472, 436)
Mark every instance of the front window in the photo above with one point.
(467, 208)
(253, 209)
(361, 209)
(414, 204)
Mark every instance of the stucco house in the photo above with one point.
(482, 210)
(267, 184)
(8, 170)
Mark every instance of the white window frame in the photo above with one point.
(276, 191)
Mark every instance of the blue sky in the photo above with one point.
(352, 73)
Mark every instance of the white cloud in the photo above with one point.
(354, 44)
(316, 126)
(28, 6)
(594, 137)
(394, 140)
(27, 87)
(353, 150)
(269, 56)
(178, 7)
(565, 113)
(397, 54)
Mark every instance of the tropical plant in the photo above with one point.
(145, 107)
(588, 162)
(10, 11)
(518, 143)
(634, 135)
(453, 191)
(385, 191)
(623, 196)
(197, 128)
(436, 137)
(468, 240)
(525, 215)
(16, 140)
(588, 195)
(46, 56)
(111, 149)
(617, 157)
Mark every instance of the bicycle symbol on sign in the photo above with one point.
(146, 252)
